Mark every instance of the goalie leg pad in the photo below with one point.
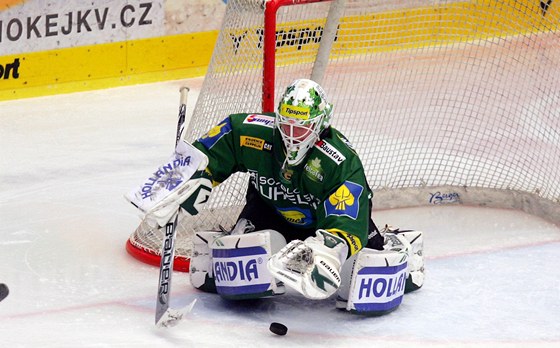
(239, 265)
(200, 272)
(413, 241)
(373, 282)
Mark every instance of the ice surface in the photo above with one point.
(492, 275)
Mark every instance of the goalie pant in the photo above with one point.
(373, 281)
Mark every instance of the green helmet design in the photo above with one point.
(303, 113)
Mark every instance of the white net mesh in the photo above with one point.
(433, 94)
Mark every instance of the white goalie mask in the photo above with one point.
(303, 113)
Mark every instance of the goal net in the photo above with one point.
(445, 101)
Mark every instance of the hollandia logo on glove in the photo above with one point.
(169, 185)
(166, 177)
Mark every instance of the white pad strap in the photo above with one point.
(173, 183)
(200, 271)
(415, 268)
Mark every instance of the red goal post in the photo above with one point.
(270, 40)
(446, 101)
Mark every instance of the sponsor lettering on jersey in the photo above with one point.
(313, 170)
(294, 111)
(296, 216)
(255, 143)
(216, 133)
(345, 201)
(330, 151)
(273, 190)
(260, 120)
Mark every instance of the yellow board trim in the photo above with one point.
(108, 65)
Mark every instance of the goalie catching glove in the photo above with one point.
(312, 267)
(181, 181)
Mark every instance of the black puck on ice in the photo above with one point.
(4, 291)
(279, 329)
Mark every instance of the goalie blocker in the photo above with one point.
(181, 182)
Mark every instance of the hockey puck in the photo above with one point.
(4, 291)
(279, 329)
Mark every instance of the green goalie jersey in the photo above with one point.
(328, 190)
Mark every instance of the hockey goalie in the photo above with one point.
(307, 220)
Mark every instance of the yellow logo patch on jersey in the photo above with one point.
(345, 200)
(216, 133)
(254, 143)
(296, 216)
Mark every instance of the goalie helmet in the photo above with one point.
(303, 113)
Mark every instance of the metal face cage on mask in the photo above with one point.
(303, 113)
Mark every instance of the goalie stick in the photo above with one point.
(184, 91)
(164, 314)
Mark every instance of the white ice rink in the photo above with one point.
(493, 276)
